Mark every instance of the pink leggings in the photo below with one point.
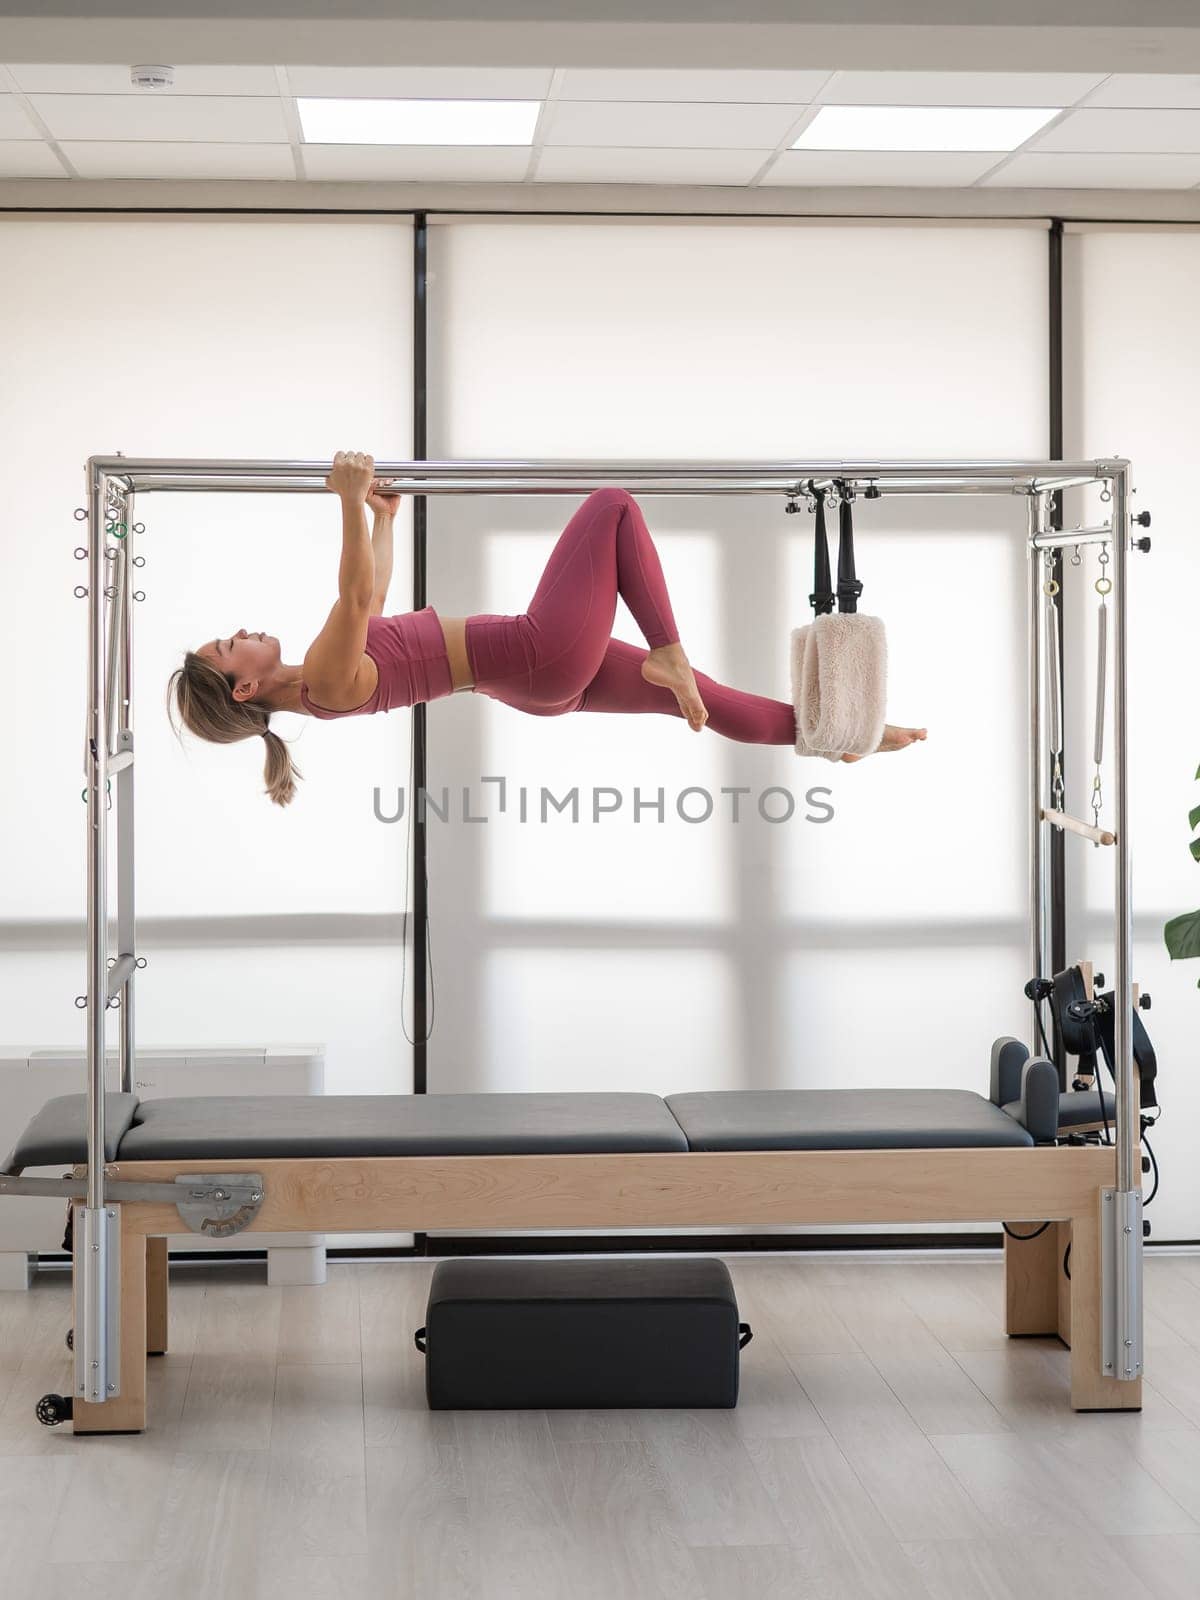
(558, 656)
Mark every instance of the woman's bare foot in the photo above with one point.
(667, 665)
(894, 739)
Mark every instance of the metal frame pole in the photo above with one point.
(1038, 875)
(126, 924)
(1122, 1208)
(1056, 844)
(97, 825)
(1121, 1228)
(1128, 1132)
(419, 910)
(96, 1258)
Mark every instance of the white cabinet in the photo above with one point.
(28, 1078)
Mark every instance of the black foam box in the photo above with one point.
(591, 1335)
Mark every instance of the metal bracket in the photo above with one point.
(220, 1203)
(97, 1235)
(214, 1203)
(1121, 1283)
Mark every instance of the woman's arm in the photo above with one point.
(335, 666)
(384, 506)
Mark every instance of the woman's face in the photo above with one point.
(249, 657)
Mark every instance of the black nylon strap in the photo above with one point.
(849, 587)
(821, 599)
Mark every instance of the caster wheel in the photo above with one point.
(53, 1409)
(70, 1338)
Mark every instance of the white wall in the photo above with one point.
(887, 947)
(218, 337)
(1133, 354)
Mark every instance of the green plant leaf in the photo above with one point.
(1182, 936)
(1194, 847)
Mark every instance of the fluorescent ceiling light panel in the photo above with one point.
(923, 127)
(418, 121)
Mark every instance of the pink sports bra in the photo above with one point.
(410, 651)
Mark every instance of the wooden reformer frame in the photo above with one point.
(1064, 1186)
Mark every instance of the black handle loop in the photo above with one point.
(745, 1334)
(821, 599)
(849, 586)
(420, 1341)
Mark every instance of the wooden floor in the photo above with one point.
(890, 1443)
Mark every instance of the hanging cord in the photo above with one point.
(1103, 589)
(1084, 1011)
(1036, 1234)
(1041, 1026)
(1153, 1161)
(1100, 1097)
(408, 855)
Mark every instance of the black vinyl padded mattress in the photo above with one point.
(300, 1127)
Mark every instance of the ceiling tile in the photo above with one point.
(959, 88)
(28, 158)
(417, 163)
(194, 118)
(1149, 89)
(875, 168)
(98, 158)
(651, 126)
(565, 164)
(14, 124)
(1033, 170)
(1162, 132)
(422, 83)
(679, 84)
(55, 79)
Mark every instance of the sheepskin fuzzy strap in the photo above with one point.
(839, 685)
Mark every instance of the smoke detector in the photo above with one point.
(149, 77)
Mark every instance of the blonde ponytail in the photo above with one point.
(279, 774)
(204, 698)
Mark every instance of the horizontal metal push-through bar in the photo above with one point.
(649, 477)
(1066, 538)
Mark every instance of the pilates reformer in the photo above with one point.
(142, 1171)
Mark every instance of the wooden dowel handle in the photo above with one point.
(1060, 819)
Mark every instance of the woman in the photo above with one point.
(556, 657)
